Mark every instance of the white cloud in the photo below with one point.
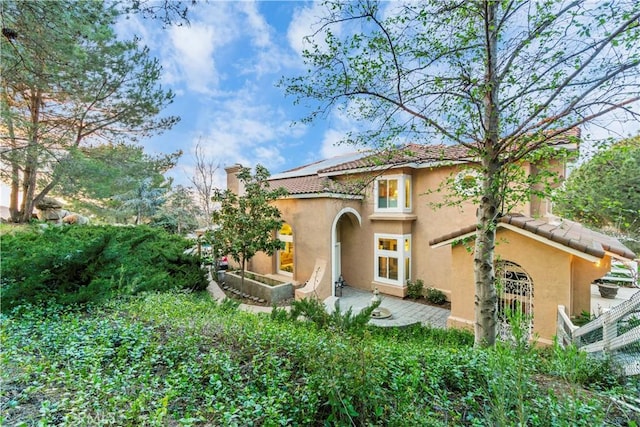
(194, 54)
(332, 144)
(333, 141)
(257, 26)
(131, 26)
(304, 23)
(224, 40)
(225, 65)
(267, 57)
(192, 57)
(241, 130)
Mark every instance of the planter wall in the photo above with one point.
(271, 293)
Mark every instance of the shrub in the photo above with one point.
(577, 367)
(93, 263)
(414, 289)
(313, 310)
(435, 296)
(583, 318)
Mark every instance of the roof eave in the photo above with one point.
(391, 166)
(591, 257)
(323, 195)
(453, 240)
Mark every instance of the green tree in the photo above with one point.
(179, 214)
(246, 224)
(504, 79)
(67, 84)
(169, 12)
(92, 176)
(144, 200)
(604, 192)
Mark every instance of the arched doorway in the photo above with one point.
(285, 256)
(353, 216)
(515, 298)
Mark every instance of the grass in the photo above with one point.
(178, 358)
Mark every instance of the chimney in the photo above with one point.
(233, 183)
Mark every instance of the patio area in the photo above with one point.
(403, 312)
(599, 305)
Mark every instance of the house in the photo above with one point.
(541, 263)
(372, 221)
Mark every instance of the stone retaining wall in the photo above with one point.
(271, 293)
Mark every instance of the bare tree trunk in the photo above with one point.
(484, 274)
(28, 190)
(14, 209)
(243, 266)
(203, 180)
(488, 212)
(54, 181)
(31, 163)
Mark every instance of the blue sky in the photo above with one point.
(223, 68)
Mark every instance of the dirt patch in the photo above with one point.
(423, 300)
(249, 300)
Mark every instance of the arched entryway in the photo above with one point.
(515, 298)
(349, 214)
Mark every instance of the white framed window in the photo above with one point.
(392, 258)
(393, 193)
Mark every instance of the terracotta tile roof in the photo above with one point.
(309, 179)
(470, 229)
(410, 153)
(423, 153)
(564, 232)
(309, 184)
(312, 178)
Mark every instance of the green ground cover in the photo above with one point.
(179, 358)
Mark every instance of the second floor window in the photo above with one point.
(393, 193)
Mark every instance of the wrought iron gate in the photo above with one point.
(515, 298)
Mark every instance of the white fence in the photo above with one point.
(615, 333)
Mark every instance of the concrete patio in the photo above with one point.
(403, 312)
(600, 305)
